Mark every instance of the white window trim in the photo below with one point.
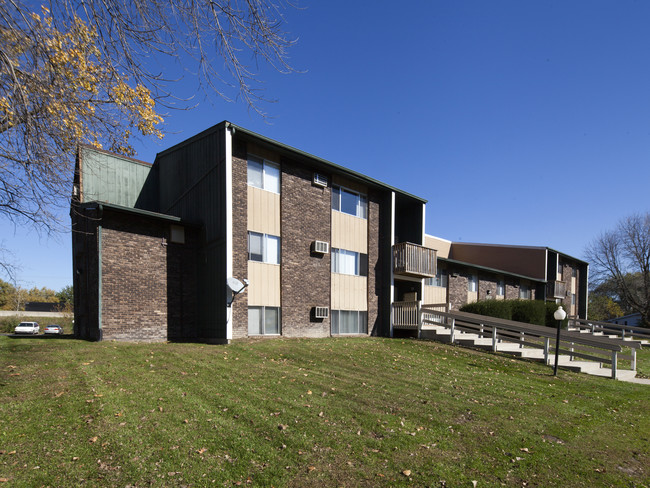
(354, 192)
(265, 163)
(502, 282)
(263, 318)
(472, 279)
(265, 257)
(358, 271)
(332, 312)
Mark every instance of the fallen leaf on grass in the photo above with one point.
(406, 472)
(93, 439)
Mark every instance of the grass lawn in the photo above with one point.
(312, 412)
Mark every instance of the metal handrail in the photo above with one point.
(526, 334)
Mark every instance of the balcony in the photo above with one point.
(414, 260)
(556, 289)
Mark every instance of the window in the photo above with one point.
(574, 272)
(349, 262)
(472, 283)
(440, 280)
(263, 321)
(524, 292)
(263, 174)
(263, 248)
(573, 299)
(349, 202)
(559, 269)
(349, 322)
(501, 287)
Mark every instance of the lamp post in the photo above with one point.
(559, 316)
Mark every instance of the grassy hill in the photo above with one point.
(318, 412)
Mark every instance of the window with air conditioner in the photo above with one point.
(320, 247)
(320, 180)
(321, 312)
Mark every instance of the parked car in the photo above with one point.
(27, 328)
(53, 329)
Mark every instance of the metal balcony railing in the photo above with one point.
(414, 260)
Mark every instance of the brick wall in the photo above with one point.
(148, 284)
(305, 277)
(457, 289)
(240, 237)
(375, 274)
(487, 283)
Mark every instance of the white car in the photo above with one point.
(27, 328)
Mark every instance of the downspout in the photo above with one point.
(99, 272)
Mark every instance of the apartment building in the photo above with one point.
(325, 250)
(469, 272)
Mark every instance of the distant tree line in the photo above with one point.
(15, 297)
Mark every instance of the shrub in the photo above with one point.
(8, 324)
(528, 311)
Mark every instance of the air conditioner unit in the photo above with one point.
(320, 180)
(321, 312)
(320, 247)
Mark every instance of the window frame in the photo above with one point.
(441, 280)
(361, 206)
(501, 285)
(263, 320)
(264, 244)
(265, 164)
(361, 322)
(360, 262)
(528, 295)
(472, 279)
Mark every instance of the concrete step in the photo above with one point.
(443, 334)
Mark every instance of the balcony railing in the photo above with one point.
(414, 260)
(556, 289)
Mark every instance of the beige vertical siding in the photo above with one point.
(349, 232)
(263, 211)
(434, 295)
(264, 288)
(349, 292)
(574, 286)
(442, 246)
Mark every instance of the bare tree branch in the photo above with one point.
(622, 256)
(88, 72)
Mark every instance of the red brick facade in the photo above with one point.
(305, 216)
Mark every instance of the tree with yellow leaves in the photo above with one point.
(87, 71)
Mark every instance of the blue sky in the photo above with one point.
(522, 122)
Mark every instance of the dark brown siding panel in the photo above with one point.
(85, 273)
(193, 187)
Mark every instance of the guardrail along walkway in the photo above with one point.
(586, 353)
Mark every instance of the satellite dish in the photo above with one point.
(235, 285)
